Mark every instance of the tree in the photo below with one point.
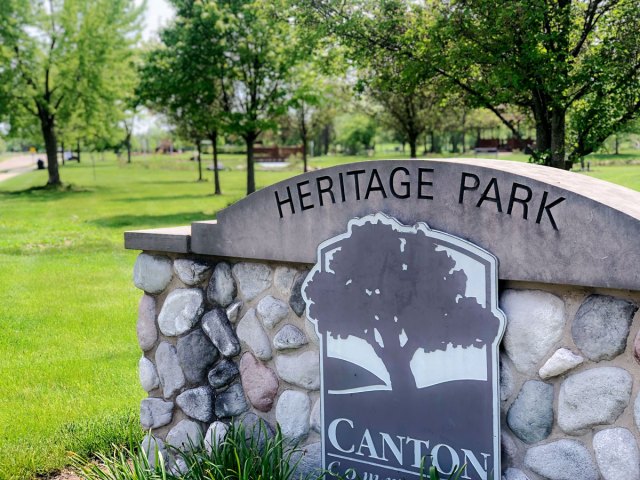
(64, 59)
(567, 59)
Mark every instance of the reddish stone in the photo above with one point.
(260, 383)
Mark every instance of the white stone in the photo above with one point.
(636, 411)
(594, 397)
(185, 435)
(507, 381)
(154, 448)
(155, 413)
(617, 454)
(292, 413)
(272, 310)
(233, 311)
(302, 369)
(310, 330)
(181, 310)
(535, 321)
(222, 288)
(289, 337)
(560, 362)
(250, 331)
(561, 460)
(215, 435)
(509, 448)
(197, 403)
(253, 278)
(283, 279)
(189, 272)
(169, 371)
(146, 325)
(148, 374)
(514, 474)
(152, 273)
(314, 421)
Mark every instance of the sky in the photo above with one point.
(157, 14)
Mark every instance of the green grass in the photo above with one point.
(67, 303)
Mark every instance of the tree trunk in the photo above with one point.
(198, 149)
(78, 150)
(128, 145)
(251, 179)
(305, 142)
(413, 146)
(216, 176)
(62, 150)
(617, 145)
(557, 139)
(47, 124)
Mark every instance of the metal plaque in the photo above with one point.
(410, 327)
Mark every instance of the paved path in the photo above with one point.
(14, 166)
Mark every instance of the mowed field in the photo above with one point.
(68, 364)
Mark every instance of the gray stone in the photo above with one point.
(314, 421)
(535, 323)
(272, 310)
(531, 414)
(292, 414)
(155, 413)
(250, 331)
(152, 273)
(307, 461)
(186, 435)
(283, 279)
(601, 326)
(216, 325)
(197, 403)
(196, 354)
(153, 448)
(179, 467)
(636, 411)
(514, 474)
(302, 369)
(189, 272)
(222, 287)
(593, 397)
(560, 362)
(310, 329)
(253, 278)
(617, 454)
(146, 326)
(169, 371)
(231, 402)
(561, 460)
(233, 311)
(507, 381)
(296, 302)
(256, 429)
(215, 435)
(223, 373)
(181, 311)
(289, 337)
(148, 374)
(259, 381)
(509, 448)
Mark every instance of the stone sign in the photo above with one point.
(410, 329)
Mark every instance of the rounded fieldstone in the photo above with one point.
(253, 278)
(314, 421)
(617, 454)
(223, 373)
(216, 325)
(250, 331)
(283, 279)
(155, 413)
(561, 460)
(289, 337)
(255, 429)
(514, 474)
(302, 369)
(222, 287)
(169, 371)
(296, 302)
(189, 272)
(181, 311)
(560, 362)
(636, 347)
(233, 311)
(310, 329)
(259, 381)
(593, 397)
(197, 403)
(148, 374)
(507, 381)
(196, 354)
(307, 461)
(601, 326)
(153, 448)
(186, 435)
(152, 273)
(231, 402)
(535, 323)
(531, 414)
(509, 448)
(146, 326)
(215, 435)
(272, 310)
(292, 414)
(636, 411)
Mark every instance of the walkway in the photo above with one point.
(14, 166)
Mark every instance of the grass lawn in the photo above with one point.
(68, 373)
